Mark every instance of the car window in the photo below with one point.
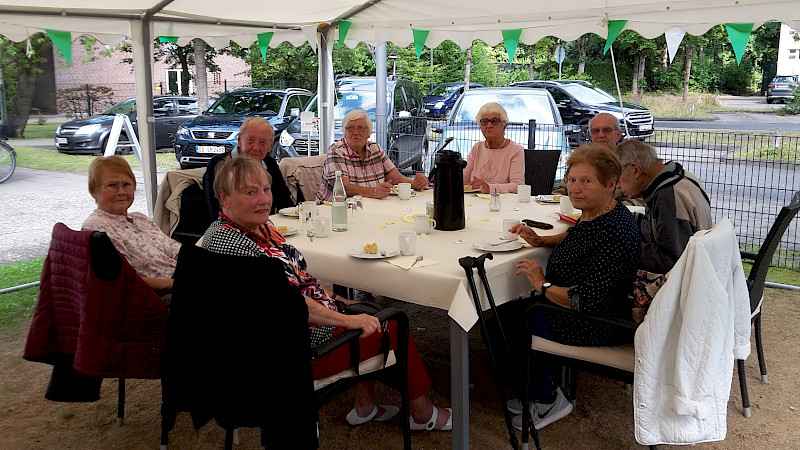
(187, 107)
(255, 103)
(399, 100)
(790, 79)
(558, 94)
(520, 107)
(413, 97)
(591, 95)
(127, 107)
(163, 108)
(444, 90)
(295, 101)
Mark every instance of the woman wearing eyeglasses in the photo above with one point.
(498, 162)
(366, 170)
(151, 253)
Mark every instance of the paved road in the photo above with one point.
(737, 121)
(749, 102)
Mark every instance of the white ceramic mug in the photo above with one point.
(322, 226)
(524, 193)
(507, 224)
(404, 191)
(423, 223)
(307, 211)
(565, 205)
(407, 241)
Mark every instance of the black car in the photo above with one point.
(781, 88)
(217, 129)
(406, 124)
(89, 135)
(578, 101)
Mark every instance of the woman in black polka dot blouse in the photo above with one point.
(591, 269)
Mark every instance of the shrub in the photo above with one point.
(73, 101)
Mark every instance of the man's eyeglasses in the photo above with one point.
(606, 130)
(114, 187)
(494, 121)
(352, 128)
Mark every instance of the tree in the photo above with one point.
(633, 47)
(22, 65)
(177, 56)
(201, 78)
(582, 41)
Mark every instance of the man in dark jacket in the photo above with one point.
(254, 141)
(676, 204)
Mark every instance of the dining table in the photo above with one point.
(437, 281)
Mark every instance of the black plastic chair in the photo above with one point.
(755, 285)
(540, 170)
(194, 216)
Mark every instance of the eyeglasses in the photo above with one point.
(494, 121)
(114, 187)
(352, 128)
(606, 130)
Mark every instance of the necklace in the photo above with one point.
(505, 140)
(606, 208)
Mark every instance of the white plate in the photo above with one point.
(290, 212)
(547, 199)
(290, 231)
(505, 246)
(472, 191)
(358, 252)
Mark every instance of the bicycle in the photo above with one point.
(8, 161)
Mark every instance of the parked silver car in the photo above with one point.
(781, 88)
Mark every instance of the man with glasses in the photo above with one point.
(254, 141)
(604, 130)
(677, 205)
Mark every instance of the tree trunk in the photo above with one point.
(635, 79)
(467, 68)
(642, 60)
(665, 59)
(688, 51)
(532, 66)
(200, 74)
(184, 81)
(26, 88)
(582, 54)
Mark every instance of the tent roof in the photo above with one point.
(376, 21)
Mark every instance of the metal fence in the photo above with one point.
(749, 177)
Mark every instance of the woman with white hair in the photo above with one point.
(498, 163)
(366, 170)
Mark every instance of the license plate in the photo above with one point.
(61, 140)
(210, 149)
(645, 127)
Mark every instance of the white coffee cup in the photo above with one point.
(407, 241)
(565, 205)
(524, 193)
(307, 211)
(507, 224)
(423, 223)
(404, 191)
(322, 226)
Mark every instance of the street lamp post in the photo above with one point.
(393, 56)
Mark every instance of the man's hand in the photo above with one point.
(381, 191)
(419, 182)
(533, 271)
(478, 183)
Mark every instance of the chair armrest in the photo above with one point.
(748, 255)
(340, 339)
(628, 324)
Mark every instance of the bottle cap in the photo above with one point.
(338, 173)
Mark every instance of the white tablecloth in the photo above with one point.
(442, 285)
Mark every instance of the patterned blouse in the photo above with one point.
(151, 252)
(368, 171)
(226, 237)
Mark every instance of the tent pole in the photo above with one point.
(325, 88)
(380, 96)
(142, 45)
(619, 92)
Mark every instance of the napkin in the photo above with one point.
(405, 262)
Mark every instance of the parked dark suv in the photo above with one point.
(578, 101)
(89, 135)
(443, 97)
(406, 123)
(216, 130)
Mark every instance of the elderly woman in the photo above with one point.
(591, 270)
(151, 253)
(366, 170)
(243, 228)
(497, 163)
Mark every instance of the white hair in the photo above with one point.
(355, 115)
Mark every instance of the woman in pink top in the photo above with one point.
(496, 163)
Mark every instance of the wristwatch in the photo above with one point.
(546, 285)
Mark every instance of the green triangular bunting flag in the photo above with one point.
(344, 27)
(739, 33)
(511, 39)
(419, 40)
(263, 43)
(614, 29)
(171, 39)
(63, 42)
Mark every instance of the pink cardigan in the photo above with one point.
(503, 168)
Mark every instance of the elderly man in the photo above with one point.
(254, 141)
(604, 130)
(676, 205)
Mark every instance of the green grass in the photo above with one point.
(39, 158)
(778, 275)
(33, 131)
(16, 308)
(673, 106)
(784, 153)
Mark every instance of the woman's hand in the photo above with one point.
(533, 271)
(366, 323)
(527, 234)
(478, 183)
(420, 182)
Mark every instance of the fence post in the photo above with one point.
(225, 84)
(531, 134)
(88, 102)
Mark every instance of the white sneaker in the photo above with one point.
(545, 414)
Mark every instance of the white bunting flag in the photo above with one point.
(674, 37)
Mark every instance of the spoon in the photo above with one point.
(383, 253)
(419, 258)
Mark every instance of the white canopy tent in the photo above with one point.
(372, 21)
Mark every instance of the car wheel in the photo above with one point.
(770, 100)
(123, 140)
(185, 166)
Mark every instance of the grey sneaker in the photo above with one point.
(545, 414)
(514, 406)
